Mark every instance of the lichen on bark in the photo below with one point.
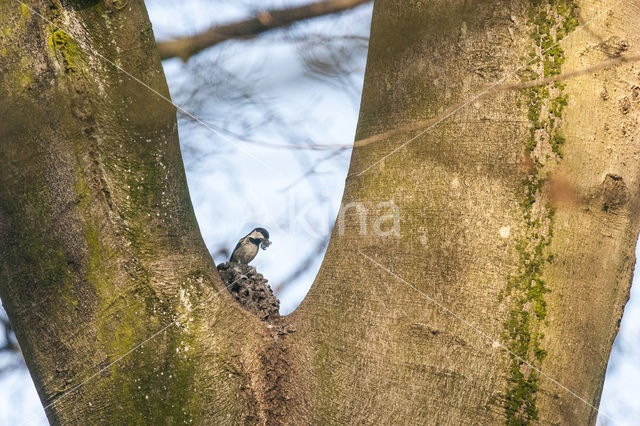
(550, 22)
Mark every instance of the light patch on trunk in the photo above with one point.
(423, 239)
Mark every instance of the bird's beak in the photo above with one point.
(265, 243)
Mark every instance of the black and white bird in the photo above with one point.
(247, 247)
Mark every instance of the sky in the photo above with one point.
(236, 186)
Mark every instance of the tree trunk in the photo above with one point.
(100, 246)
(496, 302)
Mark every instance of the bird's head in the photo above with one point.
(262, 235)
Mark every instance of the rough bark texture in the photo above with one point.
(100, 246)
(250, 289)
(518, 214)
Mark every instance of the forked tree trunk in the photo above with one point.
(518, 218)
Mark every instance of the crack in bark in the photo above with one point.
(268, 367)
(269, 377)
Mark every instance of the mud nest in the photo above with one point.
(250, 289)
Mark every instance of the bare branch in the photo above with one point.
(185, 47)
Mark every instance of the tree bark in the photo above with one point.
(100, 246)
(497, 302)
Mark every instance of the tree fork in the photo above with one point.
(519, 215)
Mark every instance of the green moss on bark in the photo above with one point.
(550, 22)
(64, 45)
(129, 312)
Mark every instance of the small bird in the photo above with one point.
(247, 248)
